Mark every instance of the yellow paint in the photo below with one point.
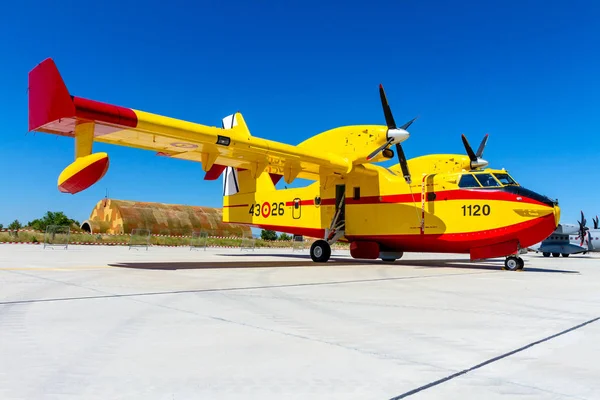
(335, 157)
(84, 139)
(79, 164)
(441, 216)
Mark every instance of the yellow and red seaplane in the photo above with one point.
(434, 203)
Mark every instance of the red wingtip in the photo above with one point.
(380, 86)
(49, 98)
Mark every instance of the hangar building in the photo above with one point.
(122, 216)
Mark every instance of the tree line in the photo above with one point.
(267, 234)
(50, 218)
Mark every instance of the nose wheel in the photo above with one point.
(320, 251)
(513, 263)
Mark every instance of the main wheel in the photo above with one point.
(512, 263)
(555, 254)
(521, 263)
(546, 254)
(565, 255)
(320, 251)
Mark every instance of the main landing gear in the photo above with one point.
(320, 251)
(513, 263)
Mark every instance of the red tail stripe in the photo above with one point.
(103, 112)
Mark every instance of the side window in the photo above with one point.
(487, 180)
(468, 181)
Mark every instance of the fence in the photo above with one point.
(57, 236)
(248, 242)
(139, 238)
(199, 240)
(298, 243)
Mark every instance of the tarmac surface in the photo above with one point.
(95, 322)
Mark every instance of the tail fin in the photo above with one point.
(49, 98)
(241, 180)
(236, 122)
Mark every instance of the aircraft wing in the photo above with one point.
(53, 110)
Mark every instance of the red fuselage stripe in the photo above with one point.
(456, 194)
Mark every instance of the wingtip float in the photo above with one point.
(83, 173)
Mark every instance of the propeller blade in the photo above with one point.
(409, 123)
(482, 146)
(403, 163)
(379, 150)
(596, 223)
(582, 232)
(470, 152)
(387, 111)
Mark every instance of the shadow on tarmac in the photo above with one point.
(305, 261)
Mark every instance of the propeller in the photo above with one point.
(476, 160)
(582, 229)
(596, 222)
(394, 135)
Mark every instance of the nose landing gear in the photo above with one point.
(513, 263)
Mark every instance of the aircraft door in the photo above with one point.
(340, 191)
(339, 220)
(297, 209)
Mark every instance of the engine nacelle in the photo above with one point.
(83, 173)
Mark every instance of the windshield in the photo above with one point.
(487, 180)
(505, 179)
(468, 181)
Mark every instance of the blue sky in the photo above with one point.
(524, 71)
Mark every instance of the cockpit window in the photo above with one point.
(487, 180)
(468, 181)
(505, 179)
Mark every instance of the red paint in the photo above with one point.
(526, 233)
(49, 98)
(265, 210)
(53, 109)
(214, 172)
(275, 178)
(86, 177)
(456, 194)
(368, 250)
(495, 250)
(103, 112)
(324, 202)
